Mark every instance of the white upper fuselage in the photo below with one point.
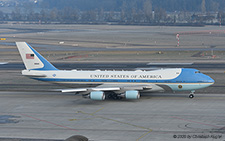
(177, 79)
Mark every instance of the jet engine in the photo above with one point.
(132, 95)
(97, 95)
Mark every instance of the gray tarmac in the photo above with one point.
(56, 116)
(29, 110)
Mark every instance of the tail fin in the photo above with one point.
(32, 59)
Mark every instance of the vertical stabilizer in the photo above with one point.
(32, 59)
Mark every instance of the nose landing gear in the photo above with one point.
(192, 94)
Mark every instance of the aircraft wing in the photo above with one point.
(108, 87)
(130, 91)
(73, 90)
(90, 89)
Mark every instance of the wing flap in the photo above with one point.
(147, 87)
(137, 87)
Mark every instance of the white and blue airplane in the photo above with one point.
(114, 84)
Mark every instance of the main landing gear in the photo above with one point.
(192, 94)
(114, 96)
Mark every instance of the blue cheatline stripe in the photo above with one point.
(47, 65)
(115, 80)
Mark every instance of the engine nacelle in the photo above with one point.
(132, 95)
(97, 95)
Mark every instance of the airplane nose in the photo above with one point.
(210, 80)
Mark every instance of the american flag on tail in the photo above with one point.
(29, 56)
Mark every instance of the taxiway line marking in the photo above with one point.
(97, 111)
(49, 122)
(144, 135)
(197, 122)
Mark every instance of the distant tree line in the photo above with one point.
(116, 5)
(120, 11)
(73, 11)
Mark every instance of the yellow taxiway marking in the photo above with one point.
(96, 111)
(72, 119)
(144, 135)
(92, 114)
(79, 119)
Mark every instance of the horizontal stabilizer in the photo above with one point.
(3, 63)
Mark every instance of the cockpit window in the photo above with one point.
(197, 72)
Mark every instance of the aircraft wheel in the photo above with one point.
(109, 96)
(115, 97)
(191, 96)
(119, 98)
